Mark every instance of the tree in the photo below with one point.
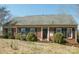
(4, 16)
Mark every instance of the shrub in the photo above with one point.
(59, 38)
(5, 35)
(18, 36)
(10, 36)
(31, 37)
(23, 37)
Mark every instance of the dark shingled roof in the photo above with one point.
(44, 20)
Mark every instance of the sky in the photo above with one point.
(40, 9)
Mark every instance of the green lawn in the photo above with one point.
(35, 47)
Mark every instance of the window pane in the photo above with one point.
(19, 30)
(27, 30)
(69, 32)
(58, 29)
(64, 31)
(32, 29)
(22, 30)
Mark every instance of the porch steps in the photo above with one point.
(71, 41)
(45, 41)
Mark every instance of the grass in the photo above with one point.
(26, 47)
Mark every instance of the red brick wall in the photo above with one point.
(38, 33)
(5, 30)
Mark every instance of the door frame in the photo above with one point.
(45, 33)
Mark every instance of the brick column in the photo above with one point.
(76, 35)
(41, 34)
(71, 33)
(48, 35)
(16, 30)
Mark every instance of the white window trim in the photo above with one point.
(58, 29)
(32, 29)
(69, 29)
(22, 29)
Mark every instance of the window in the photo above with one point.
(32, 29)
(64, 31)
(27, 30)
(18, 30)
(9, 30)
(58, 29)
(69, 31)
(22, 30)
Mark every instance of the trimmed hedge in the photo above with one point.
(18, 36)
(5, 35)
(23, 37)
(8, 35)
(59, 38)
(31, 37)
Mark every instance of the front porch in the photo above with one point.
(45, 33)
(69, 33)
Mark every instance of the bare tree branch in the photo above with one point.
(3, 14)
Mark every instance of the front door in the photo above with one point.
(45, 33)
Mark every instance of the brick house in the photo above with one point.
(44, 26)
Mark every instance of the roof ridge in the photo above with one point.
(44, 15)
